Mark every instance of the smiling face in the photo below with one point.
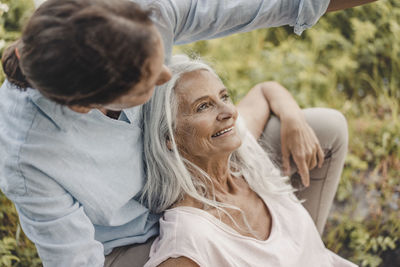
(205, 124)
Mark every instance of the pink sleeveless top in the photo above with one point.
(201, 237)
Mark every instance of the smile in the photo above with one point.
(223, 132)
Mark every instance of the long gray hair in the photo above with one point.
(168, 175)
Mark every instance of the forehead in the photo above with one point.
(195, 84)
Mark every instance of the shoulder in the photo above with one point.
(178, 262)
(190, 224)
(21, 110)
(17, 114)
(16, 108)
(183, 238)
(29, 138)
(177, 226)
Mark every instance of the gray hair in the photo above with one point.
(168, 176)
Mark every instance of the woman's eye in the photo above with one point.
(202, 106)
(225, 97)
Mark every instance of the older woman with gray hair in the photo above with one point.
(225, 202)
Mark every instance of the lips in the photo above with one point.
(224, 131)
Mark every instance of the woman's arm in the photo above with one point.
(297, 138)
(178, 262)
(255, 107)
(255, 110)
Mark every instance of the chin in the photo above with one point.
(232, 147)
(123, 106)
(238, 145)
(141, 101)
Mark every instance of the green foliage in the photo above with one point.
(349, 61)
(7, 246)
(15, 248)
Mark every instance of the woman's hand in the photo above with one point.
(299, 141)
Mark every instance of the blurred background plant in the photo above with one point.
(349, 61)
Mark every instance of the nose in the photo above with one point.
(165, 75)
(227, 111)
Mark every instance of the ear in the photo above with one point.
(16, 51)
(80, 109)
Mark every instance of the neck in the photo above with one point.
(219, 172)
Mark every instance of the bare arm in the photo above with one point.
(178, 262)
(335, 5)
(255, 107)
(255, 110)
(298, 140)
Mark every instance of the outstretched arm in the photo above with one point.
(298, 139)
(193, 20)
(335, 5)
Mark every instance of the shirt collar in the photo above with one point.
(59, 114)
(62, 116)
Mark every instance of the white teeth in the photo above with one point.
(222, 132)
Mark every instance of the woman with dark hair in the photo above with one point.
(71, 148)
(90, 53)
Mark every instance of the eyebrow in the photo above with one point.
(206, 96)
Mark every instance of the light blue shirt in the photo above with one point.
(75, 178)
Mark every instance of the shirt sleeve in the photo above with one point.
(194, 20)
(59, 227)
(50, 217)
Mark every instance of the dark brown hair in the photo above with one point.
(11, 68)
(82, 52)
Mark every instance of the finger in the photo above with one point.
(309, 159)
(313, 160)
(303, 170)
(321, 157)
